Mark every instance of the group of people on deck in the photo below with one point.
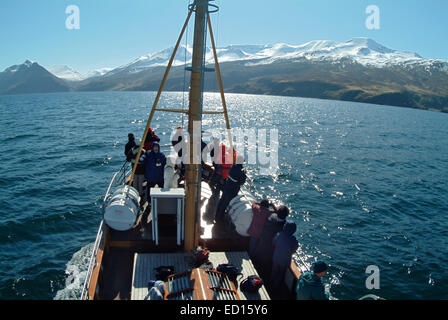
(158, 170)
(272, 244)
(272, 240)
(151, 165)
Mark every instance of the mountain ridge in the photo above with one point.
(362, 50)
(30, 77)
(356, 70)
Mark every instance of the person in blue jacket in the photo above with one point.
(309, 286)
(284, 244)
(155, 162)
(237, 177)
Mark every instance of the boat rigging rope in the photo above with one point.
(185, 73)
(201, 105)
(217, 25)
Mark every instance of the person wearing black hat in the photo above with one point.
(129, 146)
(309, 286)
(139, 176)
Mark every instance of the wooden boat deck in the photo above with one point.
(129, 254)
(144, 264)
(122, 246)
(117, 275)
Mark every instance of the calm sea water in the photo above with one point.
(367, 185)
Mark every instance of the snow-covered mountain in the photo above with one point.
(358, 70)
(19, 67)
(98, 72)
(184, 54)
(66, 73)
(362, 50)
(30, 77)
(157, 59)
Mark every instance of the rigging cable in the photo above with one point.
(185, 72)
(217, 26)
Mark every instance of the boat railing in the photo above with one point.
(122, 174)
(85, 289)
(118, 178)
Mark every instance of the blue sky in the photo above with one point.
(115, 32)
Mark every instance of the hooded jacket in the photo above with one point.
(273, 226)
(150, 138)
(310, 287)
(141, 166)
(285, 244)
(260, 216)
(128, 147)
(154, 164)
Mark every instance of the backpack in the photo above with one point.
(163, 272)
(230, 270)
(251, 284)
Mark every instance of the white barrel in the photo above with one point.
(122, 209)
(240, 212)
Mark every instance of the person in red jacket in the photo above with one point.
(222, 159)
(150, 138)
(261, 214)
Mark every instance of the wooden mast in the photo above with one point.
(195, 112)
(193, 172)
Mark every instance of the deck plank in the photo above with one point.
(144, 264)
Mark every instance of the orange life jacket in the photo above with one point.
(227, 160)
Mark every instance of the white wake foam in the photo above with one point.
(75, 272)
